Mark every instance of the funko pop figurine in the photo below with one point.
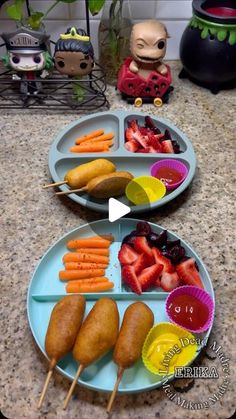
(143, 76)
(74, 54)
(28, 56)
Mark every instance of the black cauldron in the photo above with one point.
(208, 45)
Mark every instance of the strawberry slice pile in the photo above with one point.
(148, 138)
(152, 261)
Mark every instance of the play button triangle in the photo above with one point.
(117, 209)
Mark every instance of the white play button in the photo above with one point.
(117, 210)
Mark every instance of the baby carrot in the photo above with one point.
(89, 280)
(93, 287)
(90, 148)
(104, 137)
(91, 134)
(93, 251)
(83, 265)
(88, 242)
(107, 143)
(80, 274)
(85, 257)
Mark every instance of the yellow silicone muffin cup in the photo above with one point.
(145, 190)
(186, 343)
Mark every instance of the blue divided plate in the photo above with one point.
(45, 290)
(139, 164)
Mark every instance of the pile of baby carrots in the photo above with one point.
(94, 141)
(85, 265)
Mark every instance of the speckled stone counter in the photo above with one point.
(32, 219)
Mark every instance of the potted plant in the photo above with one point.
(113, 34)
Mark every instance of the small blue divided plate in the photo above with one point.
(46, 289)
(61, 159)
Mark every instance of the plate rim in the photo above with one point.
(192, 160)
(81, 382)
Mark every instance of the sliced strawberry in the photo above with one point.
(188, 273)
(129, 278)
(127, 255)
(169, 281)
(141, 246)
(154, 143)
(141, 263)
(129, 134)
(132, 146)
(159, 258)
(149, 276)
(137, 134)
(167, 146)
(145, 150)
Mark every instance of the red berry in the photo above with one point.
(169, 281)
(167, 146)
(141, 246)
(127, 255)
(132, 146)
(141, 263)
(159, 258)
(149, 276)
(188, 273)
(129, 278)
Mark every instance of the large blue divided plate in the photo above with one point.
(46, 289)
(61, 160)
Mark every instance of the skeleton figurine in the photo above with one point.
(28, 56)
(148, 47)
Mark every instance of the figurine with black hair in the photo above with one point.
(74, 57)
(29, 57)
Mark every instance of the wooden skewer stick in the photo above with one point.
(63, 182)
(113, 394)
(45, 387)
(79, 371)
(84, 189)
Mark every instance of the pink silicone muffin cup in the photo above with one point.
(202, 296)
(172, 164)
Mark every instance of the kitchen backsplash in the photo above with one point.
(175, 14)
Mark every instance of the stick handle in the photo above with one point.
(84, 189)
(45, 387)
(62, 182)
(80, 369)
(113, 394)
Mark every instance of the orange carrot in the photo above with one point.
(90, 280)
(88, 242)
(107, 143)
(85, 257)
(91, 134)
(104, 137)
(80, 274)
(90, 148)
(83, 265)
(93, 287)
(93, 251)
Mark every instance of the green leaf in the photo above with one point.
(221, 35)
(15, 10)
(35, 19)
(95, 6)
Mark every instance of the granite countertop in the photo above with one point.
(33, 219)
